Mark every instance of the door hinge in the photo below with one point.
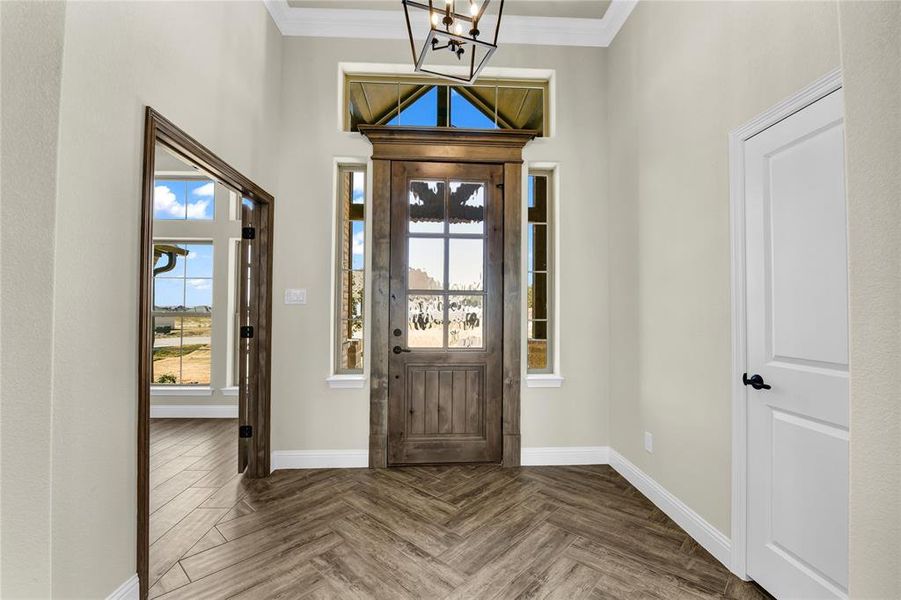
(245, 431)
(246, 331)
(248, 233)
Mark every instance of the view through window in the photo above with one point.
(350, 268)
(182, 312)
(183, 199)
(408, 101)
(539, 274)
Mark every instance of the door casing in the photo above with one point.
(822, 87)
(415, 144)
(158, 129)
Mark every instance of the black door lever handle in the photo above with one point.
(755, 381)
(398, 350)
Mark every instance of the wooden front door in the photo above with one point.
(445, 340)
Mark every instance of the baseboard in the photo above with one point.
(130, 590)
(565, 455)
(194, 411)
(338, 459)
(708, 536)
(319, 459)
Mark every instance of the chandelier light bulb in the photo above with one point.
(473, 8)
(458, 28)
(435, 19)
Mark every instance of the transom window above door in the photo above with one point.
(421, 102)
(445, 264)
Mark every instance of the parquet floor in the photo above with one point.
(426, 532)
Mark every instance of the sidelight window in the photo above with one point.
(349, 292)
(540, 277)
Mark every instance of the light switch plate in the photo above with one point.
(296, 296)
(648, 441)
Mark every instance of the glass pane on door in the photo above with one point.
(427, 206)
(466, 207)
(425, 321)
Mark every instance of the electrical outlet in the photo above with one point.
(649, 442)
(295, 296)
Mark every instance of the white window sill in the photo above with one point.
(180, 390)
(351, 381)
(544, 380)
(230, 392)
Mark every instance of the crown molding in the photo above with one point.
(387, 25)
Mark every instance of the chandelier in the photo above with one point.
(457, 37)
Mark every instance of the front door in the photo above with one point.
(446, 313)
(797, 319)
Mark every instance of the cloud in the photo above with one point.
(205, 190)
(165, 201)
(197, 210)
(201, 284)
(358, 243)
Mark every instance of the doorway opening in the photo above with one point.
(204, 349)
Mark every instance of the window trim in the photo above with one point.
(341, 378)
(551, 377)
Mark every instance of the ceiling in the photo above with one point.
(592, 23)
(579, 9)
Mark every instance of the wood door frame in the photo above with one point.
(158, 129)
(422, 144)
(819, 89)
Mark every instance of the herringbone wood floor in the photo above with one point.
(426, 532)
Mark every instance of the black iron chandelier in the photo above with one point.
(452, 36)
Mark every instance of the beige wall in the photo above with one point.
(681, 75)
(32, 54)
(871, 60)
(214, 69)
(307, 414)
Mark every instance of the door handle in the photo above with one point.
(398, 350)
(755, 381)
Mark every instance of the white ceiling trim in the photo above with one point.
(390, 25)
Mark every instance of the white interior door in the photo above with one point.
(797, 322)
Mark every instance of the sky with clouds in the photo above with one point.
(180, 199)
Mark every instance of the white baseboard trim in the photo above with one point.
(319, 459)
(565, 455)
(712, 539)
(130, 590)
(194, 411)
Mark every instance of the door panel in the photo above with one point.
(797, 307)
(446, 313)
